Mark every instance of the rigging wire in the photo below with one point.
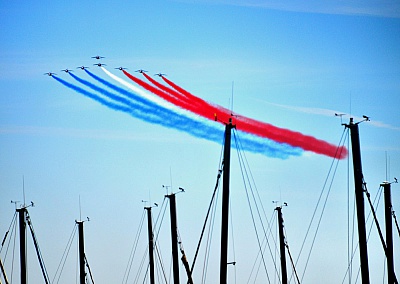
(352, 242)
(13, 252)
(318, 202)
(378, 227)
(375, 218)
(141, 267)
(233, 242)
(369, 233)
(322, 211)
(245, 174)
(161, 263)
(11, 228)
(13, 225)
(90, 271)
(208, 240)
(395, 221)
(133, 250)
(161, 215)
(258, 204)
(290, 257)
(264, 245)
(206, 219)
(36, 244)
(349, 249)
(211, 209)
(14, 219)
(377, 201)
(65, 255)
(291, 261)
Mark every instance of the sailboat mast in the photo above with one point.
(22, 243)
(282, 245)
(225, 203)
(389, 231)
(359, 196)
(151, 244)
(81, 247)
(174, 237)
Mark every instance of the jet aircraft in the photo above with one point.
(160, 74)
(82, 67)
(121, 68)
(99, 64)
(50, 74)
(66, 70)
(141, 71)
(98, 57)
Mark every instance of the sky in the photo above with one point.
(290, 64)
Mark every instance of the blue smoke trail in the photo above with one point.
(118, 89)
(169, 119)
(92, 96)
(108, 94)
(203, 129)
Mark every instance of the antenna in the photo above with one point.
(80, 209)
(23, 189)
(350, 103)
(386, 165)
(232, 97)
(170, 176)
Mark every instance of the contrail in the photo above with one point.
(329, 112)
(196, 127)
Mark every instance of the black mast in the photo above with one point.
(389, 232)
(359, 195)
(151, 244)
(282, 245)
(225, 203)
(174, 237)
(22, 243)
(82, 273)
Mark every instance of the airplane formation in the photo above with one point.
(98, 57)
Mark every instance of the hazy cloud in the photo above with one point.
(328, 112)
(377, 8)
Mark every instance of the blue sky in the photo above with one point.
(293, 65)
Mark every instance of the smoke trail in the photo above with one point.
(174, 121)
(204, 111)
(266, 130)
(110, 95)
(124, 92)
(193, 103)
(170, 91)
(195, 126)
(150, 97)
(184, 92)
(150, 112)
(92, 96)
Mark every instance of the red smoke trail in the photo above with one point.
(193, 101)
(261, 129)
(204, 110)
(267, 130)
(306, 142)
(166, 89)
(192, 97)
